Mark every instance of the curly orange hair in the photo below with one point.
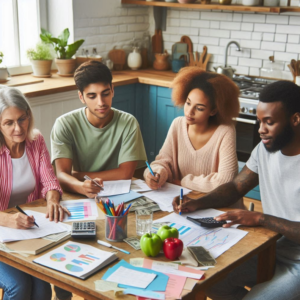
(220, 90)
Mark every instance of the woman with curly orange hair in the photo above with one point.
(199, 152)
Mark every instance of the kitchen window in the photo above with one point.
(20, 23)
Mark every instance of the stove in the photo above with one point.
(250, 88)
(247, 136)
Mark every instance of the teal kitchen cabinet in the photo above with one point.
(166, 113)
(124, 98)
(158, 114)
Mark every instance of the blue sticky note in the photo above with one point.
(125, 197)
(159, 284)
(145, 294)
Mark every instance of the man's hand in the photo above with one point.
(20, 221)
(55, 211)
(188, 205)
(153, 181)
(240, 216)
(90, 189)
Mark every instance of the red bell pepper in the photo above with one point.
(172, 248)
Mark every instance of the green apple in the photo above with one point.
(151, 244)
(166, 231)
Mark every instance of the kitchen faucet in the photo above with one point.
(226, 50)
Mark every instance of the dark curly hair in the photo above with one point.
(286, 92)
(220, 90)
(92, 72)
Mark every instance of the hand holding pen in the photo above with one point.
(24, 222)
(152, 179)
(91, 187)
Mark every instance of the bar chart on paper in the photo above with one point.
(81, 210)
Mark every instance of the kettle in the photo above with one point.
(227, 71)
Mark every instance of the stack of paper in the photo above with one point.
(115, 187)
(215, 240)
(76, 259)
(158, 284)
(45, 228)
(139, 186)
(165, 195)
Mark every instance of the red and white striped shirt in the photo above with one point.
(39, 159)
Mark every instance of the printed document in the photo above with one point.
(45, 228)
(165, 195)
(131, 277)
(115, 187)
(215, 240)
(139, 186)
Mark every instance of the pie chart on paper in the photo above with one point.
(72, 248)
(73, 268)
(58, 257)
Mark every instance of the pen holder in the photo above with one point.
(115, 228)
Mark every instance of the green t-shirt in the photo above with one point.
(97, 149)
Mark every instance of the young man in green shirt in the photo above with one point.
(97, 140)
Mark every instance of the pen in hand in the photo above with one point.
(23, 212)
(181, 196)
(152, 173)
(94, 181)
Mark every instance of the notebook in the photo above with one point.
(76, 259)
(36, 246)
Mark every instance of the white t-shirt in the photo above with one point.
(23, 181)
(279, 183)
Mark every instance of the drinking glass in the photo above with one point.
(143, 221)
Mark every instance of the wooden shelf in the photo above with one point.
(262, 9)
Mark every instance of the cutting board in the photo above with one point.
(157, 42)
(118, 57)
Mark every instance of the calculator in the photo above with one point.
(83, 230)
(207, 222)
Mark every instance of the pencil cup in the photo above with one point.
(115, 228)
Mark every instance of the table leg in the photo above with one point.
(266, 264)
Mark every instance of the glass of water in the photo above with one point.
(143, 221)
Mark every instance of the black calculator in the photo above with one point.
(207, 222)
(83, 230)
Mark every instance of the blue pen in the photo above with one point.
(181, 196)
(125, 211)
(149, 168)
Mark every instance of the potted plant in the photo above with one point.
(4, 74)
(64, 61)
(41, 59)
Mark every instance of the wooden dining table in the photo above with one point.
(259, 241)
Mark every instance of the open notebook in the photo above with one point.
(76, 259)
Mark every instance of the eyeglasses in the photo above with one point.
(10, 125)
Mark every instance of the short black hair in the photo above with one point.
(286, 92)
(92, 72)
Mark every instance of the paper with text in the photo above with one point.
(115, 187)
(45, 228)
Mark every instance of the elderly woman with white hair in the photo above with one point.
(26, 174)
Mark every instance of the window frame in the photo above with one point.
(42, 23)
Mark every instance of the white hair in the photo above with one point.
(12, 97)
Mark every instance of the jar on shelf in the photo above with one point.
(134, 60)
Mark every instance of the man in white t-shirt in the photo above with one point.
(275, 165)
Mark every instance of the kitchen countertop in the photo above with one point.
(34, 87)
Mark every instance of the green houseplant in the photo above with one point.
(41, 59)
(64, 61)
(4, 74)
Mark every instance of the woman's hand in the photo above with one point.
(153, 181)
(188, 205)
(90, 189)
(19, 221)
(240, 216)
(55, 211)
